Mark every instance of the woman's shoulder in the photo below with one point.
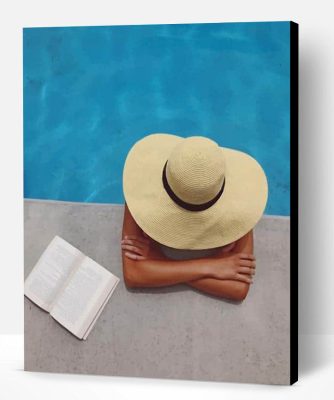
(184, 254)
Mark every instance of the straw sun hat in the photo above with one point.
(189, 193)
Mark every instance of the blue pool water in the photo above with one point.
(91, 92)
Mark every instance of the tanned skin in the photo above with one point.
(228, 274)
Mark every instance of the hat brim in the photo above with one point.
(235, 213)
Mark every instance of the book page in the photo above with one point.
(81, 299)
(96, 316)
(51, 272)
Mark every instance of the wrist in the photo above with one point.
(210, 267)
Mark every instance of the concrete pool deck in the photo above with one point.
(173, 332)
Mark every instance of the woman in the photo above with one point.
(190, 210)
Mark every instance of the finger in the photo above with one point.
(247, 256)
(246, 270)
(247, 263)
(134, 256)
(137, 237)
(244, 278)
(133, 249)
(134, 242)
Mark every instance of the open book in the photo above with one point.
(72, 287)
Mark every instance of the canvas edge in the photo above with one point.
(294, 156)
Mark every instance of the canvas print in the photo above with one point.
(160, 200)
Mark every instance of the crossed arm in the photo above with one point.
(226, 275)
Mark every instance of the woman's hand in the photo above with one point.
(140, 248)
(239, 267)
